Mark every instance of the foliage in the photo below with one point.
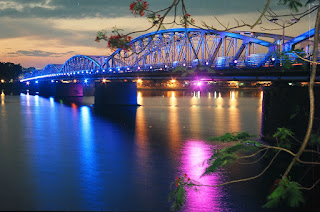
(314, 139)
(115, 41)
(285, 192)
(186, 20)
(155, 20)
(186, 71)
(138, 7)
(286, 61)
(178, 195)
(221, 160)
(227, 156)
(293, 4)
(10, 71)
(228, 137)
(283, 136)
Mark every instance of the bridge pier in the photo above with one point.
(69, 90)
(287, 106)
(48, 88)
(33, 88)
(115, 94)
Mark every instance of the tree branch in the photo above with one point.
(245, 179)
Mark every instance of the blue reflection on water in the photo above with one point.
(89, 174)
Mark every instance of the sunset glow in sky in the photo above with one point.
(35, 33)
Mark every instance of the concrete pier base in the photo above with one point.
(116, 94)
(287, 106)
(47, 88)
(69, 90)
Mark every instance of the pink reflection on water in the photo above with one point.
(193, 163)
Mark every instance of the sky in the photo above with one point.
(35, 33)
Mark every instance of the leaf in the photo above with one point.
(178, 197)
(227, 137)
(292, 4)
(219, 162)
(287, 192)
(314, 139)
(282, 134)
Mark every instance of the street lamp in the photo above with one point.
(284, 24)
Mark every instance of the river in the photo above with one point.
(66, 155)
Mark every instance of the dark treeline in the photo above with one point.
(10, 71)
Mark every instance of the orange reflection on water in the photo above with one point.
(2, 98)
(141, 137)
(259, 111)
(139, 98)
(234, 116)
(174, 125)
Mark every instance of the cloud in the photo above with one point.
(39, 53)
(23, 6)
(119, 8)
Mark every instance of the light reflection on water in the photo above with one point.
(194, 154)
(78, 160)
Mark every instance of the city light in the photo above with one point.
(28, 83)
(173, 81)
(74, 81)
(85, 81)
(104, 80)
(37, 82)
(2, 81)
(199, 83)
(139, 81)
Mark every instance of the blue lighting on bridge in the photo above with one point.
(209, 45)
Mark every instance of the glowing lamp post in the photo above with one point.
(284, 24)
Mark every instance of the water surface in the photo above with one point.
(67, 155)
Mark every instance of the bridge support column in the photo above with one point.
(116, 94)
(47, 88)
(287, 106)
(69, 90)
(33, 88)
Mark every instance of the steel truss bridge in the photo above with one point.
(166, 50)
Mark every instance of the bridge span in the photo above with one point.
(183, 54)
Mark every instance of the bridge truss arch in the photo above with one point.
(51, 69)
(188, 47)
(82, 63)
